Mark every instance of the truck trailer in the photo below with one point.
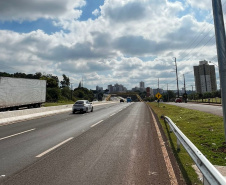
(20, 92)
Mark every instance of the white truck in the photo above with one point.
(20, 92)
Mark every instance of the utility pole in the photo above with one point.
(158, 85)
(221, 52)
(168, 92)
(71, 90)
(193, 93)
(177, 78)
(185, 94)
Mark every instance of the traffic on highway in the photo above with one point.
(115, 144)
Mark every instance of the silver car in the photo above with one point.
(82, 106)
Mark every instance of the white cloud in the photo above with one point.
(112, 47)
(96, 12)
(204, 4)
(32, 10)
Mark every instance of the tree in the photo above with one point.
(66, 93)
(52, 81)
(65, 82)
(170, 95)
(52, 94)
(19, 75)
(83, 93)
(4, 74)
(38, 75)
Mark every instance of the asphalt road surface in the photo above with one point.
(115, 144)
(212, 109)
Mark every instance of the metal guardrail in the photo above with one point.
(211, 176)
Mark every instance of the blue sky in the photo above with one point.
(124, 42)
(90, 6)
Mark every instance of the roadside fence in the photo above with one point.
(211, 176)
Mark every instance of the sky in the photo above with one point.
(106, 42)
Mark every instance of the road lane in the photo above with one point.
(19, 151)
(122, 149)
(17, 134)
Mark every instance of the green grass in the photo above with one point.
(206, 132)
(48, 104)
(212, 100)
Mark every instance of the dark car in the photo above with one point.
(121, 100)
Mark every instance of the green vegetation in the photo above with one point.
(208, 100)
(214, 97)
(206, 132)
(57, 103)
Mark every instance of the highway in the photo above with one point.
(115, 144)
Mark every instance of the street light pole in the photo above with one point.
(185, 94)
(221, 51)
(177, 78)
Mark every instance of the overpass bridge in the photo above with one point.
(135, 97)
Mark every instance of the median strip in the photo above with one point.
(96, 123)
(17, 134)
(56, 146)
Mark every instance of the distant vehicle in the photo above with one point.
(178, 100)
(82, 106)
(121, 100)
(128, 99)
(16, 93)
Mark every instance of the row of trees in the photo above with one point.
(57, 91)
(170, 96)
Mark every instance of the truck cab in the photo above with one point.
(129, 100)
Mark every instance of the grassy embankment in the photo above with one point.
(208, 100)
(206, 132)
(48, 104)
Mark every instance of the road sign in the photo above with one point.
(158, 95)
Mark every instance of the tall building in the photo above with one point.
(149, 92)
(110, 88)
(205, 77)
(116, 88)
(142, 87)
(141, 84)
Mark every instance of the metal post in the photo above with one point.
(221, 51)
(177, 78)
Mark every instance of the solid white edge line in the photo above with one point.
(17, 134)
(56, 146)
(171, 173)
(112, 114)
(96, 123)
